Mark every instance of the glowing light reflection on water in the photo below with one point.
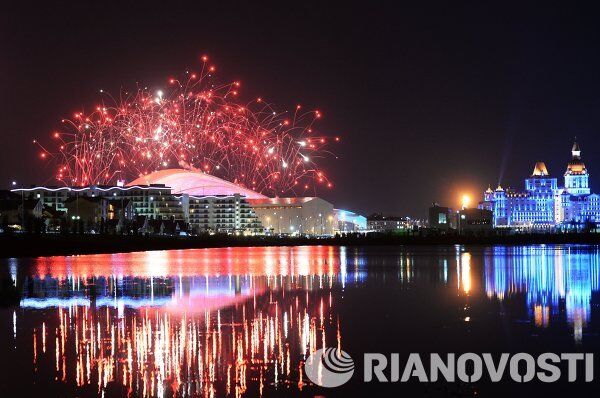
(237, 321)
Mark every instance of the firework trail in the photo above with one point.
(196, 124)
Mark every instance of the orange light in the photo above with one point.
(466, 200)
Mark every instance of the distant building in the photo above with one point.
(193, 201)
(349, 222)
(380, 223)
(543, 204)
(441, 218)
(475, 220)
(91, 210)
(153, 201)
(18, 212)
(97, 212)
(304, 215)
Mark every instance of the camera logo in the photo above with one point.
(329, 367)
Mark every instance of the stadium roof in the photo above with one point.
(195, 183)
(281, 201)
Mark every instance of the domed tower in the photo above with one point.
(488, 195)
(500, 216)
(576, 176)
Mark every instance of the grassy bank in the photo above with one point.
(47, 245)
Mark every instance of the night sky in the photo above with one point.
(430, 102)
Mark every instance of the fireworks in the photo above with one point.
(195, 123)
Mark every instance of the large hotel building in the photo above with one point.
(543, 204)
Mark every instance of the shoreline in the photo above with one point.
(25, 245)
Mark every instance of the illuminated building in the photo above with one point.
(152, 201)
(195, 183)
(543, 204)
(348, 221)
(223, 213)
(441, 218)
(232, 207)
(379, 223)
(205, 202)
(293, 216)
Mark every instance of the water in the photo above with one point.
(241, 321)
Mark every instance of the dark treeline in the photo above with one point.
(32, 245)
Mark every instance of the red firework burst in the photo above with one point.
(197, 124)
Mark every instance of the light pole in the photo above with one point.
(14, 183)
(322, 226)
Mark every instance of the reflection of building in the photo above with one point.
(219, 322)
(543, 204)
(308, 215)
(228, 350)
(348, 222)
(550, 277)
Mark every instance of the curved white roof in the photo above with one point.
(194, 183)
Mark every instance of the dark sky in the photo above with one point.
(429, 102)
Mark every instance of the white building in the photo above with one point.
(293, 216)
(222, 213)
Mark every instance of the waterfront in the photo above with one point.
(240, 321)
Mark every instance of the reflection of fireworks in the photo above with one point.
(194, 123)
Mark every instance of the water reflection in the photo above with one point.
(194, 323)
(155, 350)
(238, 321)
(549, 277)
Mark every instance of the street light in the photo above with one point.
(14, 184)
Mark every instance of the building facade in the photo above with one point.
(385, 224)
(349, 222)
(150, 207)
(441, 218)
(295, 216)
(474, 220)
(220, 214)
(152, 201)
(543, 204)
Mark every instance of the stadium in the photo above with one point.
(195, 183)
(191, 201)
(290, 216)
